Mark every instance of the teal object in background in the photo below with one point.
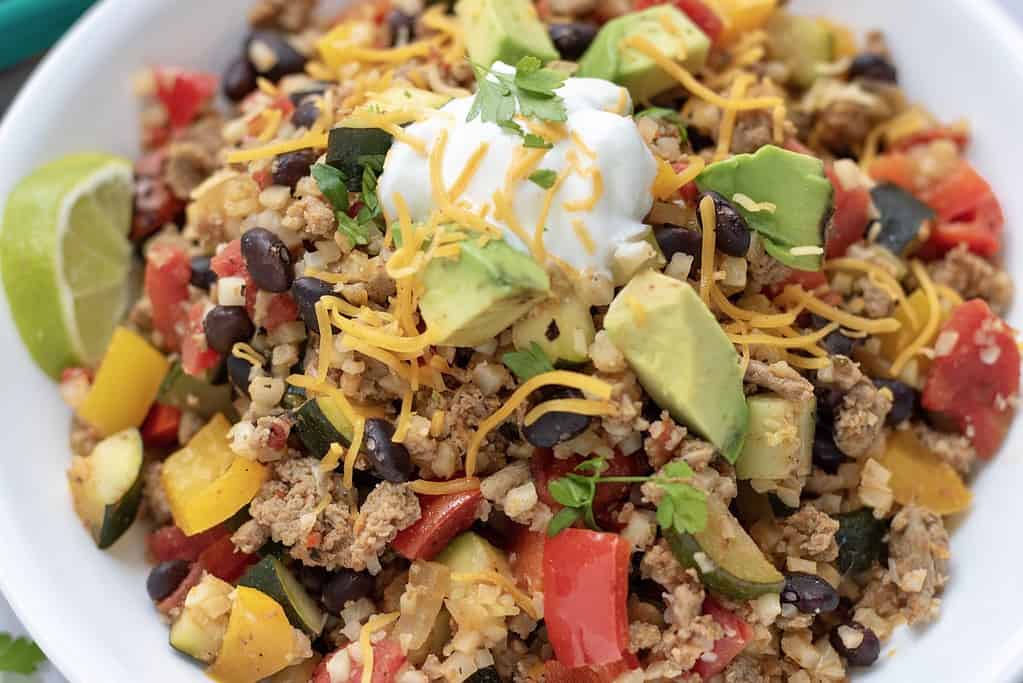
(30, 27)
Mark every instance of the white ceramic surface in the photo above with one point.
(88, 609)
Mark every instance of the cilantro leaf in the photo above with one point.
(688, 508)
(528, 363)
(594, 465)
(569, 491)
(561, 521)
(356, 231)
(544, 177)
(677, 469)
(19, 655)
(332, 184)
(494, 101)
(534, 141)
(542, 107)
(530, 77)
(529, 92)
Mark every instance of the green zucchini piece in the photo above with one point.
(294, 397)
(902, 216)
(779, 443)
(270, 576)
(181, 390)
(860, 539)
(802, 44)
(299, 673)
(347, 146)
(106, 487)
(563, 328)
(319, 423)
(727, 559)
(197, 632)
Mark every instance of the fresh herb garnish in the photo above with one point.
(669, 115)
(528, 362)
(333, 183)
(534, 141)
(544, 177)
(529, 92)
(19, 655)
(683, 507)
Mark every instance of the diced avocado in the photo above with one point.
(667, 27)
(682, 357)
(562, 327)
(504, 31)
(780, 439)
(798, 188)
(802, 44)
(469, 553)
(199, 629)
(472, 299)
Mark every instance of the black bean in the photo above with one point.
(239, 79)
(227, 325)
(402, 26)
(825, 453)
(345, 586)
(731, 233)
(306, 114)
(486, 675)
(238, 371)
(865, 653)
(573, 38)
(268, 260)
(836, 343)
(553, 428)
(165, 578)
(286, 59)
(313, 579)
(306, 292)
(202, 275)
(299, 95)
(809, 593)
(874, 67)
(674, 240)
(463, 354)
(389, 460)
(289, 168)
(903, 400)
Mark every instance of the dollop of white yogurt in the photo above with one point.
(600, 134)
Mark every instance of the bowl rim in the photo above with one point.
(994, 19)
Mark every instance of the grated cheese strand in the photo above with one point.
(807, 363)
(506, 584)
(443, 488)
(578, 406)
(271, 122)
(384, 340)
(471, 166)
(333, 457)
(930, 327)
(853, 322)
(727, 127)
(787, 331)
(800, 342)
(883, 279)
(404, 416)
(585, 383)
(761, 321)
(948, 294)
(246, 352)
(778, 116)
(326, 337)
(695, 168)
(309, 140)
(591, 201)
(583, 235)
(358, 430)
(372, 625)
(709, 216)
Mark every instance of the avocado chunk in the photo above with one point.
(504, 31)
(563, 328)
(471, 300)
(802, 44)
(798, 188)
(668, 28)
(682, 357)
(470, 553)
(780, 439)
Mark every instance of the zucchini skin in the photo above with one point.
(118, 517)
(316, 431)
(685, 547)
(268, 576)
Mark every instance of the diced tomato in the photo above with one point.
(171, 543)
(443, 518)
(166, 283)
(545, 467)
(196, 355)
(526, 556)
(895, 168)
(263, 178)
(698, 11)
(229, 261)
(387, 661)
(960, 136)
(177, 598)
(852, 208)
(957, 194)
(737, 634)
(689, 192)
(586, 584)
(976, 382)
(280, 309)
(183, 93)
(285, 105)
(161, 426)
(968, 212)
(224, 561)
(556, 672)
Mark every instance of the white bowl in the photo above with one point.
(89, 609)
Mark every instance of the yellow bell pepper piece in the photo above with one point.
(920, 477)
(741, 16)
(126, 384)
(334, 46)
(206, 483)
(259, 640)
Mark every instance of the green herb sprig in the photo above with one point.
(530, 91)
(528, 363)
(333, 183)
(19, 655)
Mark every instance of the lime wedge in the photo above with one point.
(65, 257)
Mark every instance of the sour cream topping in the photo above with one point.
(603, 168)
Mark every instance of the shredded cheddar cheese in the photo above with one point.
(591, 201)
(930, 326)
(727, 127)
(333, 458)
(709, 216)
(506, 584)
(948, 294)
(579, 406)
(807, 363)
(471, 166)
(799, 342)
(583, 235)
(880, 277)
(759, 320)
(695, 168)
(404, 416)
(308, 140)
(853, 322)
(778, 115)
(751, 205)
(246, 352)
(381, 339)
(358, 430)
(443, 488)
(322, 308)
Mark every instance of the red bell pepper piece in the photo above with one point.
(171, 543)
(387, 661)
(160, 428)
(895, 168)
(224, 561)
(960, 136)
(183, 93)
(968, 212)
(443, 518)
(177, 598)
(196, 355)
(852, 208)
(556, 672)
(705, 18)
(586, 585)
(526, 556)
(168, 271)
(737, 634)
(976, 381)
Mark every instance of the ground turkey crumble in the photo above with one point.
(809, 534)
(971, 276)
(780, 378)
(859, 421)
(291, 509)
